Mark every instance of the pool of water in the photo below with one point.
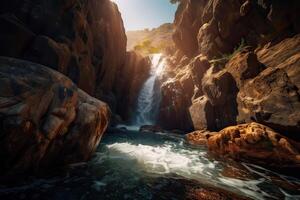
(134, 165)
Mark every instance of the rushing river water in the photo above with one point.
(134, 165)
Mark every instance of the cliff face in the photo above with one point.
(78, 38)
(216, 27)
(85, 40)
(236, 61)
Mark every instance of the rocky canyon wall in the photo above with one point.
(78, 38)
(236, 61)
(85, 40)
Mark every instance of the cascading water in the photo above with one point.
(149, 96)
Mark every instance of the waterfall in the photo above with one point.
(149, 97)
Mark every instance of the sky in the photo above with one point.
(141, 14)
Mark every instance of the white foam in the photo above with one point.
(163, 159)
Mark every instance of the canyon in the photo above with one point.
(228, 84)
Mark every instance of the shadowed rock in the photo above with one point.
(45, 120)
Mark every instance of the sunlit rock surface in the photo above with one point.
(251, 142)
(45, 120)
(235, 63)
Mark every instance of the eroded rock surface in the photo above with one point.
(251, 142)
(45, 120)
(235, 62)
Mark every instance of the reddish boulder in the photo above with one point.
(46, 121)
(254, 142)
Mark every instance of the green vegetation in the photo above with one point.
(151, 41)
(224, 58)
(146, 48)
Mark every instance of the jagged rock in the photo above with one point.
(219, 26)
(272, 97)
(179, 92)
(221, 90)
(252, 48)
(243, 66)
(252, 141)
(173, 113)
(45, 120)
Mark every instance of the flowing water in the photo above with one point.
(134, 165)
(149, 96)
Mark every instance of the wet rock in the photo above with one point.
(45, 120)
(151, 128)
(207, 193)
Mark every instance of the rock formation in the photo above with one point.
(236, 62)
(251, 142)
(129, 82)
(79, 39)
(45, 120)
(84, 40)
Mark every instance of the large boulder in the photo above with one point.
(254, 142)
(45, 120)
